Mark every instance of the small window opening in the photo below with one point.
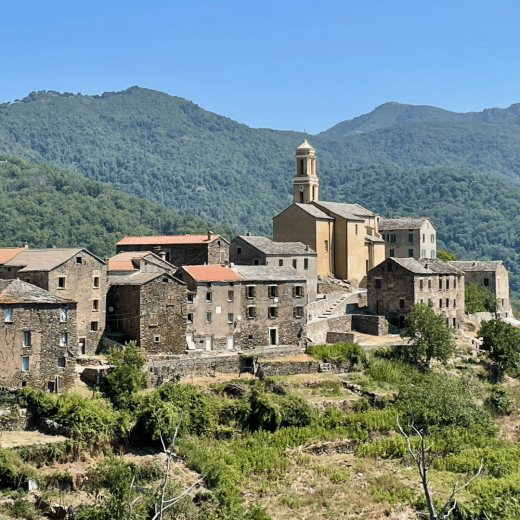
(61, 282)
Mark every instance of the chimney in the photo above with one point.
(248, 234)
(307, 247)
(162, 254)
(210, 235)
(26, 245)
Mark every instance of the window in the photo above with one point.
(326, 246)
(423, 238)
(61, 282)
(421, 301)
(410, 238)
(392, 253)
(440, 303)
(251, 291)
(230, 317)
(26, 338)
(454, 322)
(170, 299)
(208, 317)
(432, 253)
(401, 303)
(239, 250)
(156, 339)
(208, 296)
(306, 263)
(79, 260)
(486, 282)
(423, 253)
(96, 282)
(189, 317)
(280, 262)
(432, 238)
(421, 284)
(165, 280)
(389, 267)
(153, 320)
(447, 284)
(272, 312)
(63, 314)
(95, 305)
(410, 253)
(355, 229)
(454, 283)
(218, 243)
(25, 363)
(298, 291)
(8, 315)
(447, 303)
(273, 291)
(378, 283)
(393, 237)
(440, 284)
(298, 312)
(230, 296)
(256, 262)
(295, 264)
(61, 362)
(429, 284)
(454, 303)
(64, 339)
(94, 326)
(251, 312)
(190, 298)
(503, 302)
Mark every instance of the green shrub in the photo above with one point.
(393, 371)
(338, 352)
(500, 401)
(478, 298)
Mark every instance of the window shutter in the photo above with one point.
(276, 291)
(254, 312)
(294, 312)
(294, 291)
(276, 312)
(254, 291)
(303, 290)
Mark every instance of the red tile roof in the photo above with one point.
(166, 239)
(123, 261)
(211, 273)
(6, 253)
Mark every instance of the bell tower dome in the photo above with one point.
(305, 182)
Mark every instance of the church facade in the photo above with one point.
(345, 236)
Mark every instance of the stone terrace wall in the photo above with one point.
(373, 325)
(317, 331)
(341, 337)
(287, 368)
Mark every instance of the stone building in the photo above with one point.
(150, 309)
(181, 249)
(254, 250)
(409, 237)
(213, 308)
(72, 274)
(345, 236)
(125, 264)
(38, 343)
(273, 306)
(493, 275)
(398, 283)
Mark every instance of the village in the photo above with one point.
(196, 303)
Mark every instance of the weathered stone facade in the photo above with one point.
(149, 308)
(373, 325)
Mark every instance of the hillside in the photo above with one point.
(46, 206)
(464, 173)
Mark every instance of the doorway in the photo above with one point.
(189, 341)
(230, 342)
(208, 343)
(82, 346)
(380, 306)
(273, 337)
(50, 387)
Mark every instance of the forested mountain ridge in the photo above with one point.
(46, 207)
(167, 149)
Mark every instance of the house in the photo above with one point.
(213, 306)
(398, 283)
(254, 250)
(72, 274)
(124, 264)
(273, 306)
(492, 274)
(409, 237)
(345, 236)
(150, 309)
(38, 343)
(181, 249)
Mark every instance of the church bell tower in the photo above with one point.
(305, 183)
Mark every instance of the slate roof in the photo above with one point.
(211, 273)
(314, 211)
(6, 253)
(484, 265)
(16, 291)
(373, 238)
(267, 273)
(348, 211)
(268, 247)
(140, 278)
(167, 239)
(389, 224)
(44, 259)
(426, 266)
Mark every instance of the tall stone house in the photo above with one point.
(213, 306)
(493, 275)
(409, 237)
(38, 343)
(398, 283)
(345, 236)
(273, 301)
(71, 274)
(150, 309)
(125, 264)
(255, 250)
(181, 250)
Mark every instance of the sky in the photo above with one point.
(278, 64)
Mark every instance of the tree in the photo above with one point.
(502, 342)
(478, 298)
(424, 463)
(446, 256)
(428, 336)
(126, 376)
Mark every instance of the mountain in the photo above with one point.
(465, 174)
(46, 206)
(392, 114)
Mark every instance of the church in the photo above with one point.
(345, 236)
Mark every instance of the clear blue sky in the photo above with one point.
(277, 64)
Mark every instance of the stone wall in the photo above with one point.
(341, 337)
(125, 317)
(13, 421)
(317, 331)
(218, 252)
(288, 368)
(373, 325)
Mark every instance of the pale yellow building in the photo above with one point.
(345, 236)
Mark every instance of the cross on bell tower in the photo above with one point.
(305, 183)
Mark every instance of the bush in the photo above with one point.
(478, 298)
(502, 341)
(338, 352)
(500, 401)
(393, 372)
